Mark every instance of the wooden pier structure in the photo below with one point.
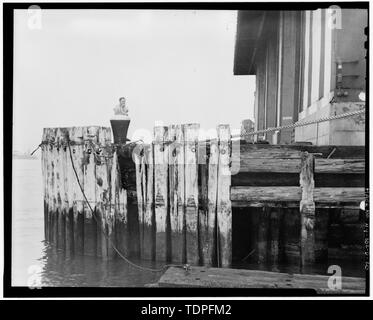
(204, 203)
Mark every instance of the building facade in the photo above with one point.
(308, 65)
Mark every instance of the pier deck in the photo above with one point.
(203, 277)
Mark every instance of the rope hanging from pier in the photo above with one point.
(300, 124)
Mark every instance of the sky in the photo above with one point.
(173, 67)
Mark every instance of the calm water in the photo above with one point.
(34, 259)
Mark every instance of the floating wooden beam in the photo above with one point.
(224, 209)
(191, 192)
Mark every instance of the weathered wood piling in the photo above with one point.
(76, 159)
(178, 199)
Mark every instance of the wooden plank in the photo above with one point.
(160, 191)
(202, 277)
(307, 210)
(260, 194)
(90, 135)
(292, 204)
(279, 194)
(340, 166)
(224, 209)
(178, 219)
(262, 151)
(209, 244)
(333, 195)
(191, 193)
(269, 165)
(294, 151)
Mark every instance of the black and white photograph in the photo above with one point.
(217, 148)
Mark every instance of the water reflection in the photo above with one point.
(58, 269)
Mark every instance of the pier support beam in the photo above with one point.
(307, 209)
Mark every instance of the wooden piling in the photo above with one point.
(191, 192)
(141, 190)
(178, 217)
(149, 217)
(172, 185)
(160, 191)
(203, 218)
(53, 187)
(224, 210)
(45, 172)
(66, 197)
(102, 184)
(210, 248)
(307, 209)
(90, 227)
(77, 148)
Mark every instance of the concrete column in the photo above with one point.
(288, 85)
